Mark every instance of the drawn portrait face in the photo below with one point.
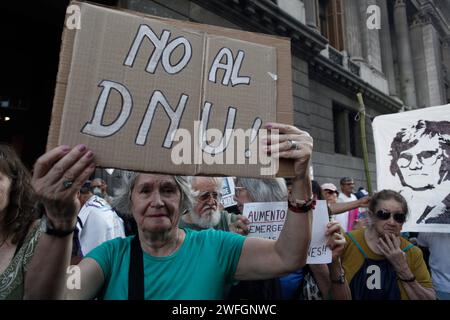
(420, 165)
(421, 155)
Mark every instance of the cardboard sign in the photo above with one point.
(413, 157)
(143, 93)
(318, 252)
(227, 193)
(267, 221)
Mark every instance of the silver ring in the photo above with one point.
(295, 145)
(290, 143)
(67, 184)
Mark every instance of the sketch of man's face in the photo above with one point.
(419, 165)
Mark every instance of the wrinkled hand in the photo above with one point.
(336, 241)
(279, 146)
(240, 226)
(389, 246)
(51, 170)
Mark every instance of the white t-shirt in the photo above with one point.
(439, 246)
(100, 223)
(342, 218)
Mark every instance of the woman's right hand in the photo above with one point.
(336, 241)
(57, 177)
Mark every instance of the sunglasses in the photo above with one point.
(205, 195)
(385, 215)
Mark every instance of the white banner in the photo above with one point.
(318, 252)
(413, 157)
(267, 220)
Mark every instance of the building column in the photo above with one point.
(446, 62)
(427, 63)
(352, 30)
(407, 79)
(370, 38)
(311, 11)
(387, 57)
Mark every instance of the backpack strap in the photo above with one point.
(136, 271)
(357, 244)
(408, 247)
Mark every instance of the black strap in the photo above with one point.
(136, 271)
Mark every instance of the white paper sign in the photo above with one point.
(318, 252)
(266, 218)
(227, 194)
(413, 157)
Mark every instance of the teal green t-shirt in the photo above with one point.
(198, 270)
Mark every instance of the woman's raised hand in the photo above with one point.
(290, 143)
(57, 177)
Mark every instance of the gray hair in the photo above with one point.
(217, 180)
(265, 190)
(122, 202)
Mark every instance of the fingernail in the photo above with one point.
(65, 149)
(81, 147)
(89, 154)
(92, 165)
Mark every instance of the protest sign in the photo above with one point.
(267, 220)
(413, 158)
(318, 252)
(227, 193)
(144, 93)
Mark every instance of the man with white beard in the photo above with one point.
(207, 211)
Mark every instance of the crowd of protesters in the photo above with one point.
(169, 237)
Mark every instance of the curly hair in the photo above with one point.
(19, 214)
(407, 138)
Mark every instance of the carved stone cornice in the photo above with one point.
(265, 16)
(429, 10)
(324, 71)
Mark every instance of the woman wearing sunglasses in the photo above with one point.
(378, 263)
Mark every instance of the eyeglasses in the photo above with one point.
(203, 196)
(385, 215)
(428, 158)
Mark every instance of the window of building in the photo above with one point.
(347, 135)
(330, 22)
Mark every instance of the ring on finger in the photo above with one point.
(67, 184)
(290, 143)
(294, 145)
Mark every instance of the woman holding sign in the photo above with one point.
(162, 261)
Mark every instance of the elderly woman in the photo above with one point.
(168, 262)
(378, 263)
(19, 230)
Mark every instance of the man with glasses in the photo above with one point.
(207, 211)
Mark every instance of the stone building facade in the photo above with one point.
(395, 52)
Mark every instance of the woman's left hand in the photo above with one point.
(290, 143)
(336, 241)
(389, 246)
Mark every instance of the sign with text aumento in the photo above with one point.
(159, 95)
